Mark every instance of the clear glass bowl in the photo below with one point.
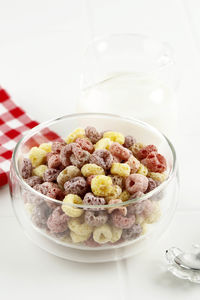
(31, 207)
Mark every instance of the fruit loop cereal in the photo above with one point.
(89, 177)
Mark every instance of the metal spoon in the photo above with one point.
(190, 261)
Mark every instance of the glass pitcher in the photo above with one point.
(131, 75)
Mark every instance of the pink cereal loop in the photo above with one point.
(121, 209)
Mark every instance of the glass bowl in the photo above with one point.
(32, 209)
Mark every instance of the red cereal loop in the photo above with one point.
(119, 151)
(102, 158)
(57, 221)
(136, 183)
(85, 144)
(144, 152)
(89, 179)
(129, 141)
(156, 162)
(57, 146)
(93, 134)
(116, 159)
(122, 222)
(54, 161)
(49, 155)
(26, 168)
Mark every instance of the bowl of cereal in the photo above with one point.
(94, 187)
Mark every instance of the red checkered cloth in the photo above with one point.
(14, 122)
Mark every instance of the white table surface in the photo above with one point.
(41, 46)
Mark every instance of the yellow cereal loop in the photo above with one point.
(66, 174)
(39, 171)
(158, 176)
(136, 148)
(116, 234)
(92, 169)
(79, 228)
(114, 194)
(69, 210)
(77, 133)
(37, 156)
(101, 185)
(114, 136)
(144, 228)
(103, 144)
(46, 147)
(29, 208)
(120, 169)
(142, 170)
(102, 234)
(139, 219)
(155, 216)
(124, 196)
(78, 238)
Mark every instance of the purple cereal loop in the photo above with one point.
(96, 218)
(90, 199)
(132, 233)
(26, 168)
(148, 208)
(65, 154)
(151, 185)
(129, 141)
(33, 180)
(91, 243)
(57, 221)
(79, 162)
(122, 222)
(102, 158)
(136, 183)
(76, 185)
(93, 134)
(40, 214)
(51, 174)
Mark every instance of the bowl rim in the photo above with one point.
(42, 125)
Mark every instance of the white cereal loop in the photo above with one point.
(79, 228)
(78, 238)
(116, 234)
(102, 234)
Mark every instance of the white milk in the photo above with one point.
(130, 95)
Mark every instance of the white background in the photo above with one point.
(41, 47)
